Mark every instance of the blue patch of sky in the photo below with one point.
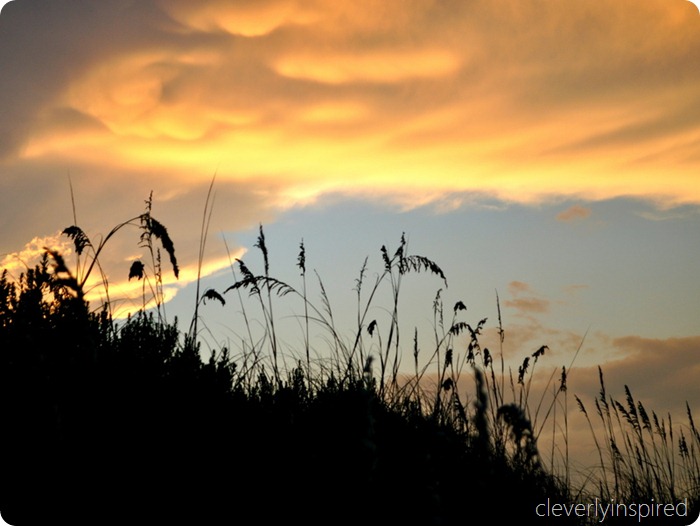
(626, 268)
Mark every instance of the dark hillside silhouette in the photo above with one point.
(108, 423)
(128, 424)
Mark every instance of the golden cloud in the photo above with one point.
(520, 101)
(248, 19)
(29, 256)
(376, 66)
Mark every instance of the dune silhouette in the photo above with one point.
(125, 422)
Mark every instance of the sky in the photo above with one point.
(546, 151)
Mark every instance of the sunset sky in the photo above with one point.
(548, 150)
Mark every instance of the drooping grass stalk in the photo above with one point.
(150, 228)
(394, 320)
(251, 281)
(244, 312)
(81, 242)
(75, 222)
(156, 288)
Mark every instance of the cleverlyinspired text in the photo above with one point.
(603, 510)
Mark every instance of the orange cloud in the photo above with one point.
(376, 66)
(525, 301)
(528, 305)
(248, 19)
(475, 99)
(573, 213)
(517, 287)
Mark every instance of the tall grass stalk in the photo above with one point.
(203, 234)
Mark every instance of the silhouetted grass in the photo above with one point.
(125, 422)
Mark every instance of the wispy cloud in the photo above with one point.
(574, 213)
(524, 300)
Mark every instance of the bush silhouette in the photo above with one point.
(109, 424)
